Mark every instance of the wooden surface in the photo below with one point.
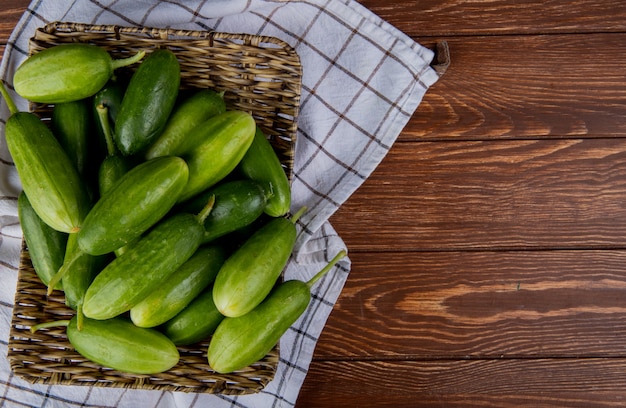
(489, 247)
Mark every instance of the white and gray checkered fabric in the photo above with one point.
(362, 81)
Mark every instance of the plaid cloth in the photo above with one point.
(362, 81)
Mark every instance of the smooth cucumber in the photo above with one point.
(114, 166)
(73, 127)
(148, 102)
(46, 246)
(261, 164)
(213, 149)
(180, 288)
(191, 112)
(145, 266)
(251, 272)
(238, 203)
(196, 322)
(67, 72)
(135, 203)
(48, 176)
(241, 341)
(117, 343)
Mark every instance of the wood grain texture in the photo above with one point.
(527, 86)
(491, 195)
(498, 304)
(10, 13)
(501, 17)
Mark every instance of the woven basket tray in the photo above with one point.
(261, 75)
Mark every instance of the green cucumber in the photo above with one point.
(241, 341)
(251, 272)
(238, 203)
(213, 149)
(196, 322)
(117, 343)
(114, 165)
(261, 164)
(148, 102)
(191, 112)
(46, 246)
(72, 125)
(84, 269)
(145, 266)
(135, 203)
(67, 72)
(109, 98)
(48, 176)
(179, 289)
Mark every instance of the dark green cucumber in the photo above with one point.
(261, 164)
(108, 98)
(179, 289)
(191, 112)
(135, 203)
(48, 176)
(73, 127)
(196, 322)
(213, 149)
(238, 203)
(66, 72)
(145, 266)
(241, 341)
(117, 343)
(148, 102)
(84, 269)
(251, 272)
(114, 165)
(46, 246)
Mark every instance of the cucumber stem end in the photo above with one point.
(327, 268)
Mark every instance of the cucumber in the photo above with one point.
(135, 203)
(251, 272)
(117, 343)
(213, 149)
(179, 289)
(67, 72)
(238, 203)
(191, 112)
(73, 127)
(108, 99)
(241, 341)
(114, 165)
(145, 266)
(194, 323)
(148, 102)
(261, 164)
(46, 246)
(48, 176)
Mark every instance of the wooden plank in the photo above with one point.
(526, 87)
(477, 17)
(500, 195)
(10, 12)
(501, 383)
(483, 304)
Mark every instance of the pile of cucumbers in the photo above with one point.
(161, 214)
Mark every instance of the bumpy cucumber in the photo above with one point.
(261, 164)
(180, 288)
(145, 266)
(135, 203)
(241, 341)
(238, 203)
(117, 343)
(114, 165)
(251, 272)
(213, 149)
(66, 72)
(191, 112)
(48, 176)
(73, 126)
(196, 322)
(148, 102)
(84, 269)
(46, 246)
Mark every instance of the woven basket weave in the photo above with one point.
(261, 75)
